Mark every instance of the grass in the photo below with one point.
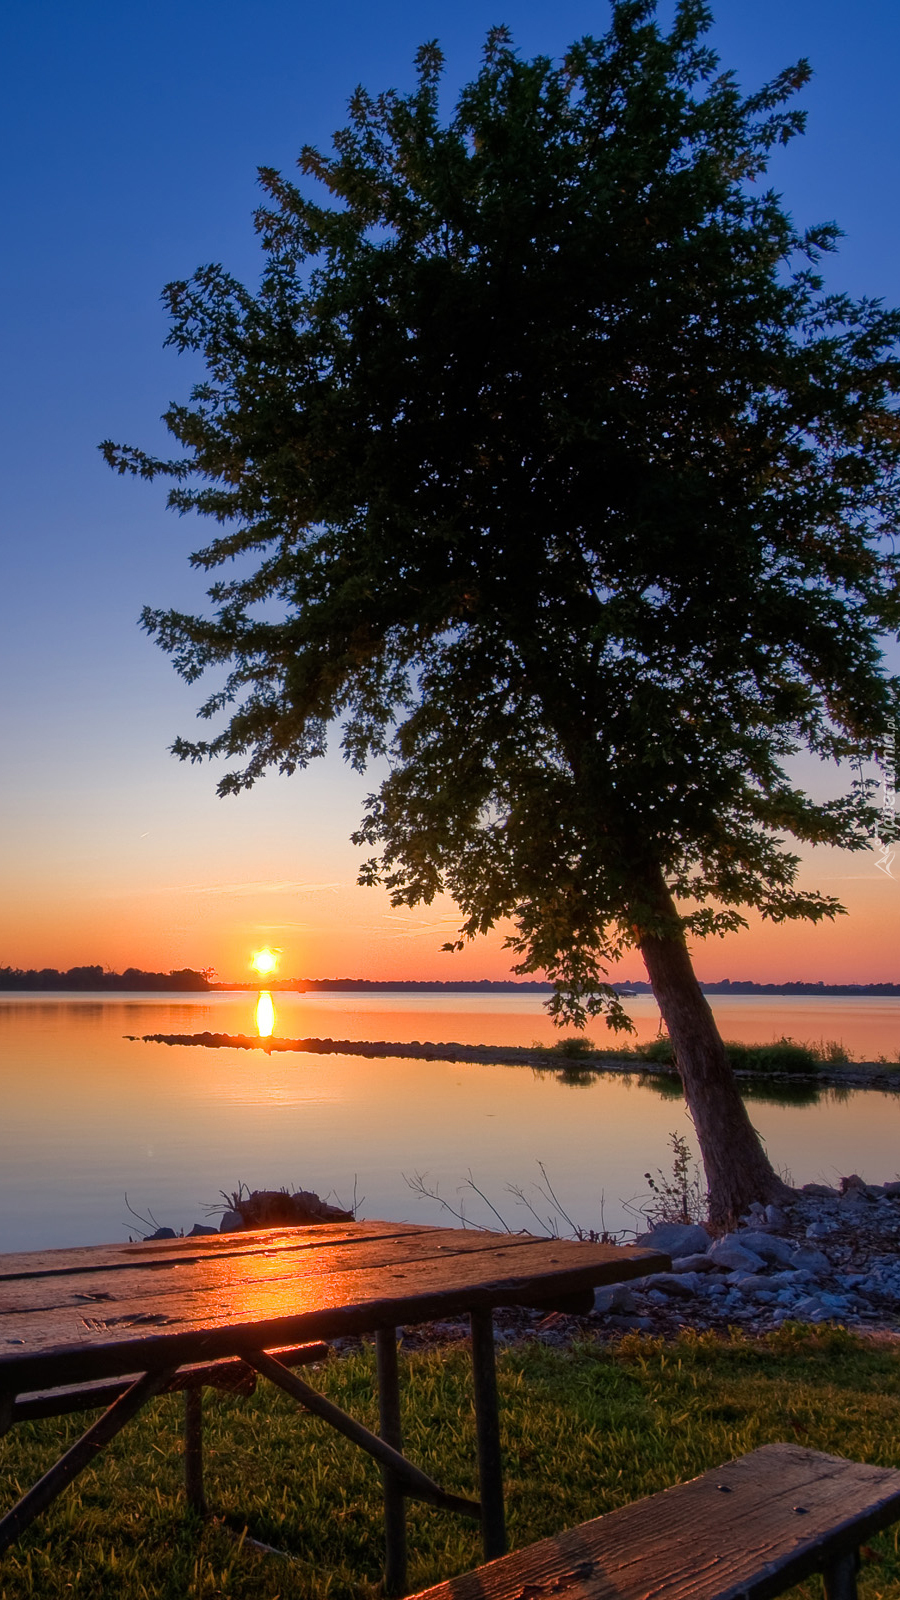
(780, 1055)
(585, 1430)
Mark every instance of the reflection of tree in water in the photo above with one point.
(762, 1093)
(577, 1077)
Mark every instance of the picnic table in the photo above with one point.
(125, 1322)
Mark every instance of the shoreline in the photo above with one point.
(852, 1075)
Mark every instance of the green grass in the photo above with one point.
(584, 1430)
(780, 1055)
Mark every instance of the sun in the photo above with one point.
(264, 961)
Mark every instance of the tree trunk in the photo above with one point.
(737, 1168)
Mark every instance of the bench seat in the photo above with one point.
(750, 1529)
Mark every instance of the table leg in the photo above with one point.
(390, 1429)
(81, 1455)
(839, 1577)
(487, 1425)
(193, 1450)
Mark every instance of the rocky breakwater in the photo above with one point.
(830, 1255)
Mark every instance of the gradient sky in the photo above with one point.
(132, 137)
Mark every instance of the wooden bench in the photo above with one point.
(747, 1531)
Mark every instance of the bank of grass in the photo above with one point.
(585, 1430)
(780, 1055)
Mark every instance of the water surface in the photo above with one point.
(90, 1116)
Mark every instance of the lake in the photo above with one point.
(91, 1117)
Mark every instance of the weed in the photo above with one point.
(678, 1196)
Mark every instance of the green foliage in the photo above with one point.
(584, 1431)
(574, 1047)
(543, 463)
(782, 1055)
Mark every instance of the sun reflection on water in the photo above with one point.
(265, 1015)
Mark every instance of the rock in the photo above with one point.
(853, 1182)
(750, 1283)
(693, 1264)
(767, 1245)
(275, 1208)
(775, 1218)
(806, 1309)
(162, 1233)
(821, 1229)
(632, 1324)
(199, 1229)
(820, 1190)
(675, 1283)
(232, 1222)
(675, 1239)
(615, 1297)
(892, 1189)
(728, 1253)
(814, 1261)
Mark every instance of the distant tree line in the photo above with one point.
(510, 986)
(400, 986)
(747, 986)
(186, 979)
(95, 978)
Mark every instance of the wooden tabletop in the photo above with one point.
(67, 1316)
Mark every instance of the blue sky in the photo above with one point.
(132, 137)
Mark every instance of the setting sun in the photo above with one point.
(264, 961)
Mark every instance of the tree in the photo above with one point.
(552, 473)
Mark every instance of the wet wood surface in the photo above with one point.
(71, 1316)
(749, 1529)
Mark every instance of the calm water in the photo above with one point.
(90, 1117)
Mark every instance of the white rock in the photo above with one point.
(727, 1253)
(676, 1283)
(814, 1261)
(767, 1245)
(615, 1297)
(693, 1264)
(675, 1239)
(806, 1309)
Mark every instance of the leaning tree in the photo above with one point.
(551, 472)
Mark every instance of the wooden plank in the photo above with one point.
(105, 1292)
(256, 1285)
(242, 1312)
(233, 1377)
(168, 1252)
(55, 1291)
(751, 1529)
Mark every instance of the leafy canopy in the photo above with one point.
(552, 473)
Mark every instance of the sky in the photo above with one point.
(132, 137)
